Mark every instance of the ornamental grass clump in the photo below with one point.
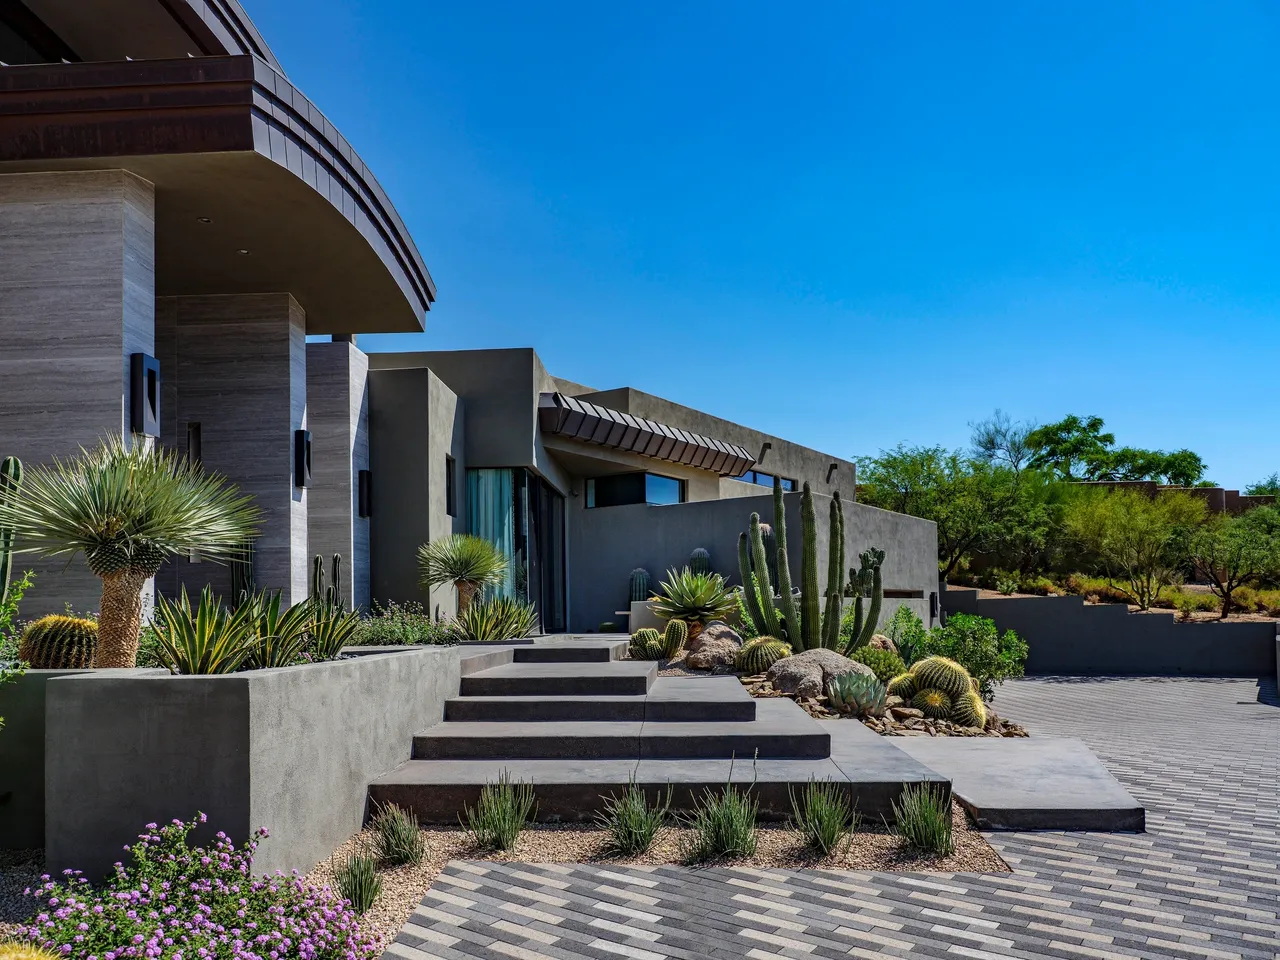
(179, 902)
(825, 815)
(923, 819)
(358, 880)
(632, 821)
(501, 813)
(723, 825)
(397, 837)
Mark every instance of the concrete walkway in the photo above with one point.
(1203, 883)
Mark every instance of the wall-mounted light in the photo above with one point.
(764, 448)
(302, 458)
(364, 493)
(204, 220)
(243, 251)
(144, 395)
(831, 471)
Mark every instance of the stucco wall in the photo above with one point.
(606, 543)
(1065, 635)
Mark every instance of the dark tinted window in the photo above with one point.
(626, 488)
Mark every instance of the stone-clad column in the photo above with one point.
(241, 376)
(77, 297)
(338, 417)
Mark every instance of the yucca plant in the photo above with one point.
(399, 839)
(694, 597)
(825, 815)
(329, 634)
(127, 508)
(280, 634)
(205, 640)
(502, 618)
(468, 562)
(631, 820)
(358, 880)
(501, 813)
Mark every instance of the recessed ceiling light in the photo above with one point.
(204, 220)
(243, 252)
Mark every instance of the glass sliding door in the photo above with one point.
(491, 513)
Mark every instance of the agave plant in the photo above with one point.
(694, 597)
(330, 633)
(469, 563)
(280, 634)
(495, 620)
(857, 693)
(206, 639)
(127, 508)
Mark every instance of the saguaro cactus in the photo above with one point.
(10, 480)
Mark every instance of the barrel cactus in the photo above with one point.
(674, 637)
(903, 685)
(934, 704)
(700, 560)
(758, 655)
(640, 585)
(58, 642)
(940, 673)
(644, 640)
(969, 710)
(857, 694)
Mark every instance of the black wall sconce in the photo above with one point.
(364, 493)
(144, 395)
(302, 458)
(831, 469)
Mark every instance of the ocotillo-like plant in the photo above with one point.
(835, 576)
(10, 480)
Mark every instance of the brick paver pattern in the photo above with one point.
(1203, 883)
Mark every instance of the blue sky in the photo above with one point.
(850, 224)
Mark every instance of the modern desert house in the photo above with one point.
(188, 252)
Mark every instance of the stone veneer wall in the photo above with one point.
(77, 297)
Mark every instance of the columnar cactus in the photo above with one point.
(770, 550)
(866, 579)
(700, 560)
(242, 583)
(674, 637)
(786, 599)
(646, 644)
(58, 642)
(10, 480)
(329, 596)
(835, 576)
(755, 580)
(639, 585)
(810, 610)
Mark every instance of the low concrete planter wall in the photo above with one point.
(291, 749)
(1067, 636)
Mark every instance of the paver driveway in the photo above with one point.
(1204, 882)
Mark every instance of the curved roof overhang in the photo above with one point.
(559, 415)
(230, 141)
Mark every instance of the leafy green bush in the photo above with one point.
(397, 625)
(908, 633)
(1188, 603)
(631, 821)
(825, 815)
(884, 663)
(974, 642)
(923, 819)
(398, 838)
(503, 810)
(723, 825)
(1100, 589)
(358, 880)
(495, 620)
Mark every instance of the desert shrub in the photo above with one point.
(208, 898)
(1188, 603)
(632, 821)
(1236, 552)
(1099, 589)
(825, 815)
(923, 819)
(908, 633)
(1038, 584)
(884, 663)
(397, 625)
(501, 813)
(723, 824)
(358, 880)
(398, 838)
(1253, 600)
(974, 642)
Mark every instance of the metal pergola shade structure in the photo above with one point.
(564, 416)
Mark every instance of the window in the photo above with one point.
(450, 487)
(766, 480)
(628, 488)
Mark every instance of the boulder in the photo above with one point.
(806, 674)
(881, 642)
(716, 646)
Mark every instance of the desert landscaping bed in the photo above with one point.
(873, 848)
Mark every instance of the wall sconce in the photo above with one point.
(144, 395)
(364, 493)
(831, 470)
(302, 458)
(764, 448)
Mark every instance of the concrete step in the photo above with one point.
(868, 766)
(571, 651)
(669, 699)
(780, 729)
(616, 678)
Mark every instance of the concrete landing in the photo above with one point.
(1040, 783)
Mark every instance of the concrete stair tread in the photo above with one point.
(571, 651)
(670, 699)
(617, 677)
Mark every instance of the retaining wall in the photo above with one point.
(1067, 636)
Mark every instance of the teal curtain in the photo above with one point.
(491, 514)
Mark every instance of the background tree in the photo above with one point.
(1267, 486)
(127, 509)
(1139, 541)
(999, 440)
(1067, 448)
(1229, 553)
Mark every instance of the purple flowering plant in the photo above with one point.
(179, 902)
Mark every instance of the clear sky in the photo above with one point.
(850, 224)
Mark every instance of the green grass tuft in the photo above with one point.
(632, 822)
(825, 815)
(358, 880)
(503, 810)
(924, 819)
(399, 838)
(723, 825)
